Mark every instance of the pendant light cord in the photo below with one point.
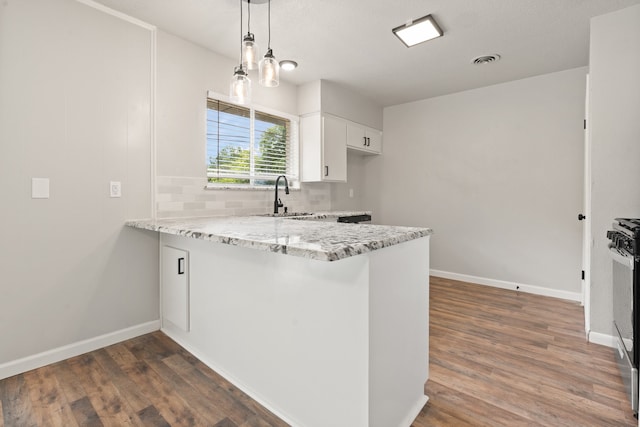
(248, 16)
(240, 33)
(269, 21)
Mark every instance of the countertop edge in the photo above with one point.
(346, 251)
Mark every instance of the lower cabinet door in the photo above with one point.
(175, 287)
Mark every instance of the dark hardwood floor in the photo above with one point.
(497, 358)
(146, 381)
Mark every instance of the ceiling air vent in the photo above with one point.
(486, 59)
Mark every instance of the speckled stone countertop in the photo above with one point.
(309, 238)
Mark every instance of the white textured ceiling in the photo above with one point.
(350, 41)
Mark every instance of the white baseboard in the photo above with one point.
(415, 411)
(530, 289)
(602, 339)
(608, 340)
(28, 363)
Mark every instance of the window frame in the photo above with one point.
(293, 177)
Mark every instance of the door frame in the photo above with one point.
(586, 222)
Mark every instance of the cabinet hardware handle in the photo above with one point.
(365, 140)
(368, 142)
(180, 265)
(326, 171)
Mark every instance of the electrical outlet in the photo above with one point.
(39, 188)
(115, 189)
(351, 193)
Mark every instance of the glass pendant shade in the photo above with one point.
(240, 87)
(249, 52)
(269, 70)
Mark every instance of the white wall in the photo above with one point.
(614, 74)
(497, 173)
(185, 73)
(75, 107)
(333, 98)
(350, 195)
(343, 102)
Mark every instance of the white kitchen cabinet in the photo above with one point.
(324, 323)
(175, 287)
(363, 138)
(323, 141)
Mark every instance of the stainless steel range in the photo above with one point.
(624, 248)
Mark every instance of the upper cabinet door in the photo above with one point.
(334, 144)
(323, 142)
(374, 140)
(356, 137)
(363, 138)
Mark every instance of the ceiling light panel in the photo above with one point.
(418, 31)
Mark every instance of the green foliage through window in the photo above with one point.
(245, 146)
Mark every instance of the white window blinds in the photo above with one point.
(245, 146)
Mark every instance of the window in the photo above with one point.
(246, 146)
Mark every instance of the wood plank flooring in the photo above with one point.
(505, 358)
(146, 381)
(497, 358)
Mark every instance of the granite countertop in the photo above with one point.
(304, 235)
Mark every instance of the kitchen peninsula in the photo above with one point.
(324, 323)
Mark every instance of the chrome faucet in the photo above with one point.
(277, 203)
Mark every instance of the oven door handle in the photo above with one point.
(626, 260)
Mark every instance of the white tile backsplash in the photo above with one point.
(179, 197)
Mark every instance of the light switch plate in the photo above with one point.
(39, 188)
(115, 189)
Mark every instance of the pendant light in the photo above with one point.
(269, 66)
(240, 87)
(240, 91)
(249, 45)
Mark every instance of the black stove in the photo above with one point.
(624, 248)
(625, 228)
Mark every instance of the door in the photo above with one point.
(374, 140)
(356, 137)
(334, 149)
(586, 220)
(364, 138)
(175, 287)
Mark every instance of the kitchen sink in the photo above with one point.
(286, 214)
(350, 218)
